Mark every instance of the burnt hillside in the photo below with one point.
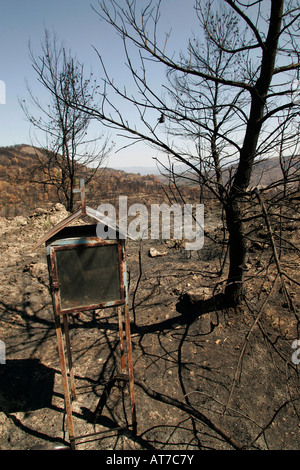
(23, 187)
(20, 195)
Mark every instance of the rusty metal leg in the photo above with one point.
(122, 345)
(130, 368)
(64, 379)
(69, 354)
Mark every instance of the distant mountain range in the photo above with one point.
(145, 184)
(141, 170)
(19, 194)
(264, 171)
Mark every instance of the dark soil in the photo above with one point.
(233, 365)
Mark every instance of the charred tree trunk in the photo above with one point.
(237, 252)
(234, 203)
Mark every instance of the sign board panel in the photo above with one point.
(86, 272)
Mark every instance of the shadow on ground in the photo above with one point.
(25, 385)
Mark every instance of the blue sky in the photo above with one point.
(78, 26)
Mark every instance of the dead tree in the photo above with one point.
(246, 78)
(64, 150)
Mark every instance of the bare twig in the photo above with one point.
(261, 310)
(188, 409)
(276, 257)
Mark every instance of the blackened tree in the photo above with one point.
(64, 151)
(233, 92)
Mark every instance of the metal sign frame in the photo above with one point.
(86, 243)
(71, 238)
(63, 236)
